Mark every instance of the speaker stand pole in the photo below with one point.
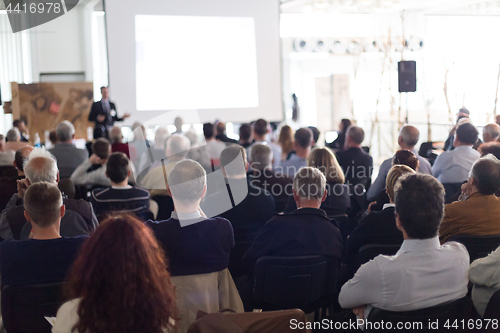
(406, 120)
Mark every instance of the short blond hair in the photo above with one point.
(324, 160)
(309, 183)
(394, 174)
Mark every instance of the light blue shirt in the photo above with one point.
(291, 166)
(421, 274)
(379, 184)
(454, 166)
(276, 149)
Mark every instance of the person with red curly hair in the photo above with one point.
(119, 283)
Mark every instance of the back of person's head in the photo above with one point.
(53, 137)
(261, 156)
(356, 134)
(17, 122)
(13, 135)
(233, 160)
(467, 133)
(208, 130)
(260, 127)
(409, 135)
(491, 132)
(405, 157)
(115, 135)
(315, 132)
(486, 175)
(419, 200)
(41, 166)
(345, 123)
(490, 148)
(65, 131)
(303, 138)
(117, 167)
(2, 139)
(178, 122)
(161, 136)
(245, 132)
(309, 184)
(102, 148)
(192, 136)
(393, 175)
(187, 181)
(22, 156)
(221, 128)
(122, 271)
(326, 162)
(177, 147)
(43, 201)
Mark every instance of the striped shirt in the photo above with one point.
(126, 199)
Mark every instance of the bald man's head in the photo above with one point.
(41, 167)
(491, 133)
(408, 137)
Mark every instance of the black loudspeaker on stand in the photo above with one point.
(407, 76)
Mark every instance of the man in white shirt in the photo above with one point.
(101, 149)
(407, 140)
(423, 273)
(260, 130)
(214, 147)
(6, 156)
(453, 167)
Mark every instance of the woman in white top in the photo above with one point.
(119, 283)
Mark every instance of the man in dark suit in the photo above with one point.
(355, 162)
(304, 231)
(103, 113)
(221, 133)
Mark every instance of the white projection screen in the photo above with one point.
(219, 57)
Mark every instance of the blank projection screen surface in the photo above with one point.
(219, 57)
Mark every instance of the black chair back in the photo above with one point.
(421, 320)
(478, 246)
(8, 171)
(370, 251)
(493, 307)
(243, 239)
(304, 282)
(450, 189)
(344, 224)
(24, 307)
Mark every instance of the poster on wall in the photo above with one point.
(44, 105)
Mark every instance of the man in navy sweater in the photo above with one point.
(194, 243)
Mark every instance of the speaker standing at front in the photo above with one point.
(407, 76)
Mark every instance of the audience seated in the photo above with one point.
(485, 277)
(285, 140)
(304, 231)
(260, 130)
(462, 117)
(47, 257)
(316, 133)
(376, 227)
(478, 211)
(423, 273)
(6, 156)
(491, 133)
(407, 140)
(302, 143)
(215, 147)
(67, 155)
(453, 166)
(264, 177)
(8, 185)
(14, 140)
(117, 145)
(198, 152)
(119, 283)
(245, 133)
(195, 244)
(140, 143)
(355, 162)
(337, 201)
(23, 130)
(339, 143)
(120, 197)
(41, 166)
(221, 133)
(155, 180)
(96, 163)
(248, 206)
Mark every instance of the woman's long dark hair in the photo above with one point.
(122, 280)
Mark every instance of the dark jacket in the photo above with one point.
(225, 138)
(110, 118)
(197, 248)
(337, 201)
(305, 231)
(357, 166)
